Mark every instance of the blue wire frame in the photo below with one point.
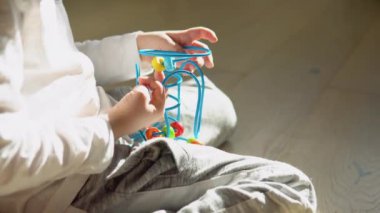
(170, 59)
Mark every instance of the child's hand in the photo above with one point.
(175, 40)
(138, 108)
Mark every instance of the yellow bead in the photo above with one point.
(171, 132)
(158, 64)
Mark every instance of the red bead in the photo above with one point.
(178, 128)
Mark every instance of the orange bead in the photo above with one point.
(150, 132)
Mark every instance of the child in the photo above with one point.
(61, 145)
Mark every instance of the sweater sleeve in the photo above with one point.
(114, 58)
(33, 152)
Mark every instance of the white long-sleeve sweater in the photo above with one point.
(53, 130)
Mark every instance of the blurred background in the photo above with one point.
(303, 75)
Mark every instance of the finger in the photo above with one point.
(189, 67)
(209, 60)
(145, 81)
(155, 86)
(148, 80)
(198, 33)
(200, 62)
(158, 95)
(159, 76)
(186, 37)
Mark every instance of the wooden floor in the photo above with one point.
(304, 77)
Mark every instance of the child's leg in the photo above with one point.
(176, 176)
(218, 118)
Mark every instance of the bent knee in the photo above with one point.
(219, 115)
(225, 108)
(292, 182)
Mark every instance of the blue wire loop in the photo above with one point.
(172, 57)
(170, 60)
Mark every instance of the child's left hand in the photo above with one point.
(176, 40)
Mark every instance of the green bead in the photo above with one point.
(171, 132)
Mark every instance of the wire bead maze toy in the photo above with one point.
(165, 61)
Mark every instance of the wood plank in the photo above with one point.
(362, 73)
(337, 145)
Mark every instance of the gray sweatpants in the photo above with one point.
(174, 176)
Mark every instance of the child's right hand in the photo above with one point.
(138, 108)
